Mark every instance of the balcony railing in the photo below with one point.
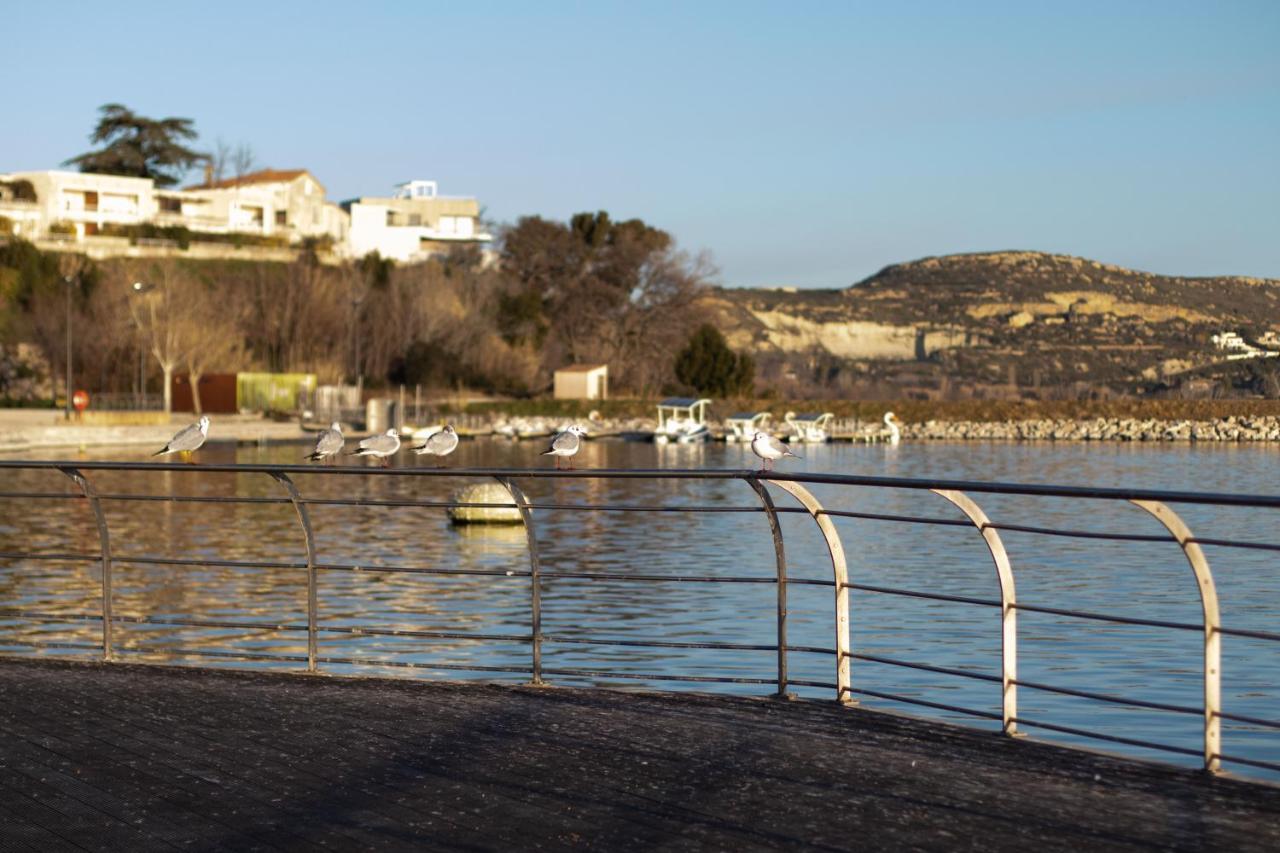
(767, 490)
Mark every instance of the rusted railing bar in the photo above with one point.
(212, 653)
(51, 644)
(1031, 490)
(908, 519)
(1252, 762)
(193, 499)
(1253, 635)
(658, 644)
(1081, 534)
(961, 599)
(1105, 617)
(45, 616)
(409, 502)
(1128, 741)
(1234, 543)
(405, 664)
(673, 578)
(146, 559)
(23, 555)
(38, 495)
(1104, 697)
(1243, 718)
(204, 623)
(822, 685)
(646, 676)
(944, 670)
(418, 570)
(941, 706)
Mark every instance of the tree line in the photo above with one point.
(557, 293)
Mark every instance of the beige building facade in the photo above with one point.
(582, 382)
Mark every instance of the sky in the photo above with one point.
(798, 144)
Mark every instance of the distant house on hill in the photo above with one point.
(414, 223)
(75, 205)
(582, 382)
(283, 202)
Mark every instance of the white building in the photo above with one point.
(582, 382)
(288, 203)
(414, 223)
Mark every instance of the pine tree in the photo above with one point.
(140, 147)
(708, 365)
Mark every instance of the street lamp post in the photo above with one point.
(67, 405)
(140, 288)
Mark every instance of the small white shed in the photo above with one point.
(582, 382)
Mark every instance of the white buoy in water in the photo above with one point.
(485, 493)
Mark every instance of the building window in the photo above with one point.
(170, 205)
(282, 217)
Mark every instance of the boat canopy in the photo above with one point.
(694, 408)
(749, 418)
(811, 417)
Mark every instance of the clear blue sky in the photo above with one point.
(804, 144)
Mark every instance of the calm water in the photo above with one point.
(1139, 579)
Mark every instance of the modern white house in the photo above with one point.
(286, 205)
(413, 223)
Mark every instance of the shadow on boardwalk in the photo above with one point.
(146, 758)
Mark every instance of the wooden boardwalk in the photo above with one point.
(135, 758)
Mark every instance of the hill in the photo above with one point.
(1005, 324)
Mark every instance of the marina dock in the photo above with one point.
(135, 757)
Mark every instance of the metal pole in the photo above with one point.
(67, 404)
(1212, 621)
(104, 540)
(304, 518)
(535, 579)
(781, 559)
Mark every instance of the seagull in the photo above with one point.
(440, 443)
(769, 448)
(380, 446)
(565, 444)
(328, 443)
(894, 434)
(188, 439)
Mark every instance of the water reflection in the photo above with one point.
(1141, 579)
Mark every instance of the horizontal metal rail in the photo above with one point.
(958, 492)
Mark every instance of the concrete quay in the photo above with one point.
(127, 757)
(37, 429)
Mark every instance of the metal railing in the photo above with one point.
(958, 493)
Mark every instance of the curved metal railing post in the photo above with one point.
(1008, 606)
(1212, 622)
(780, 554)
(304, 518)
(840, 572)
(535, 578)
(104, 538)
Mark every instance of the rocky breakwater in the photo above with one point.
(1099, 429)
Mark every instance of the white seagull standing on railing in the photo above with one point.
(188, 439)
(769, 448)
(380, 446)
(439, 444)
(328, 443)
(565, 444)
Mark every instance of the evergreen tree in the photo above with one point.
(708, 365)
(140, 147)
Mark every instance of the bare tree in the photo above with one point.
(210, 334)
(242, 160)
(159, 290)
(219, 160)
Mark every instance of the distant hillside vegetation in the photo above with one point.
(995, 324)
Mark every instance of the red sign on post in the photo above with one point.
(80, 400)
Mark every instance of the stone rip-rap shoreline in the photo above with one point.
(1266, 428)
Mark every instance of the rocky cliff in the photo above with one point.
(1026, 322)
